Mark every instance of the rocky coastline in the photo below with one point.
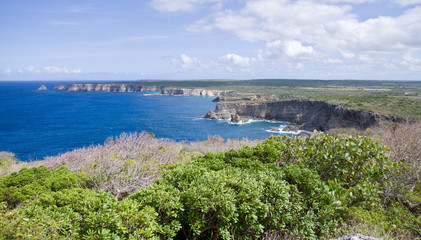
(302, 114)
(122, 87)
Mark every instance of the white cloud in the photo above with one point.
(412, 62)
(289, 48)
(46, 70)
(326, 27)
(333, 61)
(187, 63)
(299, 66)
(7, 71)
(30, 69)
(174, 6)
(355, 2)
(274, 19)
(234, 61)
(305, 35)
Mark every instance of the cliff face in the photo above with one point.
(196, 92)
(307, 115)
(109, 87)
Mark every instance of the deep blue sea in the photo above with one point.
(36, 124)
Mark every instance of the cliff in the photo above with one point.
(197, 92)
(307, 115)
(121, 87)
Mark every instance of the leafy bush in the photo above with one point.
(221, 196)
(297, 188)
(357, 167)
(78, 214)
(29, 183)
(394, 220)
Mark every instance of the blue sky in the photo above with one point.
(210, 39)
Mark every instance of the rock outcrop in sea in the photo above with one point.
(303, 114)
(42, 88)
(122, 87)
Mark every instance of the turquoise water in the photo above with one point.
(36, 124)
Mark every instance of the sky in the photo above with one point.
(210, 39)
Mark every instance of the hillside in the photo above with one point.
(282, 188)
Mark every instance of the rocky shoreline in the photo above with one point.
(122, 87)
(302, 114)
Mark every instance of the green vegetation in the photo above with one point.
(30, 183)
(398, 98)
(311, 188)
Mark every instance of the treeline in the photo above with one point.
(282, 188)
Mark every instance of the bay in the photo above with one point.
(35, 124)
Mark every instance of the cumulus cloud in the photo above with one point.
(307, 34)
(30, 69)
(174, 6)
(46, 70)
(326, 27)
(289, 48)
(273, 19)
(187, 63)
(234, 61)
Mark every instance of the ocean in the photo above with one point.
(35, 124)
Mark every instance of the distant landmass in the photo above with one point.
(120, 87)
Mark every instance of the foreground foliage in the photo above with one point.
(308, 188)
(124, 164)
(30, 183)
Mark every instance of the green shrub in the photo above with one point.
(78, 214)
(221, 197)
(356, 168)
(394, 219)
(347, 161)
(306, 188)
(29, 183)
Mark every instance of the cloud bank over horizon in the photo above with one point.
(191, 39)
